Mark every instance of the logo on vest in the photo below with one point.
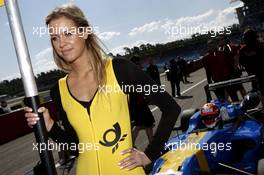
(114, 142)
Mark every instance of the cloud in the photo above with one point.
(183, 27)
(193, 19)
(11, 76)
(44, 53)
(225, 17)
(108, 35)
(149, 27)
(120, 49)
(43, 61)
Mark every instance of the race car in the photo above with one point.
(221, 138)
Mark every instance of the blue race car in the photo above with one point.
(229, 140)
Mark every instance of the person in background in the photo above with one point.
(166, 71)
(92, 113)
(5, 107)
(251, 58)
(175, 77)
(183, 67)
(218, 67)
(153, 71)
(140, 113)
(231, 51)
(1, 110)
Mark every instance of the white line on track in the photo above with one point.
(183, 92)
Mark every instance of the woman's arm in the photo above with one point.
(128, 73)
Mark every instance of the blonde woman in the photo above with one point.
(92, 101)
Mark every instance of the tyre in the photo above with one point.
(185, 117)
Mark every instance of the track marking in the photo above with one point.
(183, 92)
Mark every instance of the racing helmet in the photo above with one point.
(250, 101)
(210, 115)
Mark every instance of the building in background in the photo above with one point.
(251, 14)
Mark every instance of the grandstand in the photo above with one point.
(251, 14)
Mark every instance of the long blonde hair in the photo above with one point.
(93, 43)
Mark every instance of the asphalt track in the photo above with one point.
(17, 157)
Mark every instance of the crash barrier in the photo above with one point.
(17, 103)
(14, 124)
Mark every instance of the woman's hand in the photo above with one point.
(134, 159)
(32, 118)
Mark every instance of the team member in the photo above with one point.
(92, 109)
(251, 57)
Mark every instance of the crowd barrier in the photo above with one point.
(14, 125)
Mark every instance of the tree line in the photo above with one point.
(196, 40)
(45, 80)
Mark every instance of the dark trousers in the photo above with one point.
(231, 91)
(177, 83)
(220, 93)
(207, 93)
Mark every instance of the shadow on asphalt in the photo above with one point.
(184, 97)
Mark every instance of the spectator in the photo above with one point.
(251, 57)
(1, 111)
(231, 52)
(175, 78)
(153, 71)
(218, 68)
(5, 107)
(183, 67)
(140, 112)
(167, 71)
(141, 115)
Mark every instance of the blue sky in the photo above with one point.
(119, 23)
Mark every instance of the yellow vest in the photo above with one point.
(105, 132)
